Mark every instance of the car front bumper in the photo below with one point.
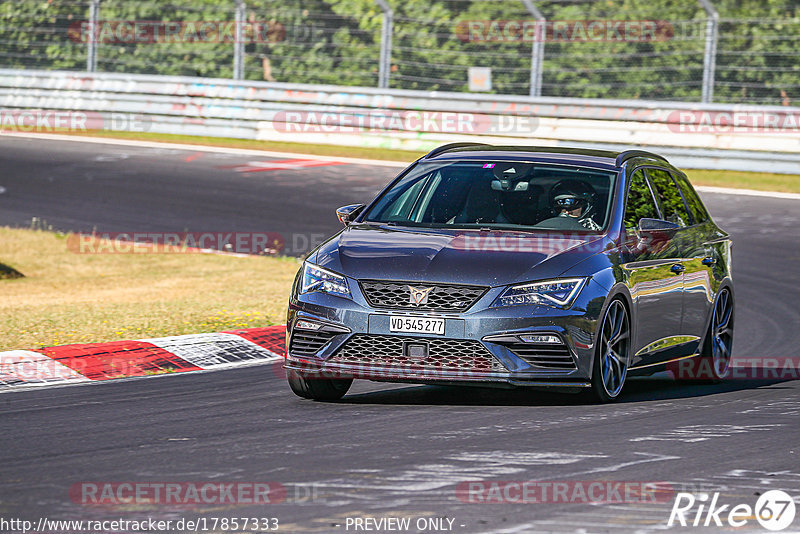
(489, 334)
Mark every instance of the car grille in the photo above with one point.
(443, 297)
(443, 354)
(547, 355)
(308, 342)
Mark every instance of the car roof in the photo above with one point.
(574, 156)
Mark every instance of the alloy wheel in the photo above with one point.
(722, 334)
(614, 348)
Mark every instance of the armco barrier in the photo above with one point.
(270, 111)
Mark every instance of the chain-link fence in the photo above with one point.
(681, 50)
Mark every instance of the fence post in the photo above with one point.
(537, 48)
(386, 44)
(91, 51)
(710, 54)
(238, 44)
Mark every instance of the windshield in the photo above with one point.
(498, 194)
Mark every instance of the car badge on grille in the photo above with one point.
(419, 295)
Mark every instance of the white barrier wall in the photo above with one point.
(717, 136)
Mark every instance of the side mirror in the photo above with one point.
(346, 214)
(656, 225)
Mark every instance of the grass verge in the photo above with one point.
(84, 298)
(786, 183)
(760, 181)
(385, 154)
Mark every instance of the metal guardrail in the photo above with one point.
(277, 111)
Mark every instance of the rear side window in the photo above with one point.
(640, 202)
(696, 208)
(668, 196)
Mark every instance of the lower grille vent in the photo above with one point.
(548, 355)
(308, 342)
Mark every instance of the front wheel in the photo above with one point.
(318, 388)
(612, 355)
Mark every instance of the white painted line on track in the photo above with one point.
(207, 148)
(354, 161)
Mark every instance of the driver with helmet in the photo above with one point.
(574, 199)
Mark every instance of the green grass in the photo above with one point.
(67, 297)
(787, 183)
(762, 181)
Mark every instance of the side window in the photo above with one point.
(640, 202)
(669, 198)
(696, 208)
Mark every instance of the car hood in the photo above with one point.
(493, 258)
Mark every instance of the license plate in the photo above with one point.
(419, 325)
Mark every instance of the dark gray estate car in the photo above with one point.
(516, 266)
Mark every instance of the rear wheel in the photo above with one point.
(718, 346)
(318, 388)
(613, 352)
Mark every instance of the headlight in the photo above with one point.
(549, 293)
(319, 279)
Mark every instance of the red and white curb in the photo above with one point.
(73, 364)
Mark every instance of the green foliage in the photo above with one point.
(640, 202)
(34, 34)
(213, 59)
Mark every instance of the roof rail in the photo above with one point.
(628, 154)
(450, 146)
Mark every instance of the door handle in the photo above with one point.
(708, 260)
(678, 268)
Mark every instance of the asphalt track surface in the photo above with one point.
(385, 450)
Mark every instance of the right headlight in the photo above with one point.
(318, 279)
(559, 293)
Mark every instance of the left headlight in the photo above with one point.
(560, 293)
(319, 279)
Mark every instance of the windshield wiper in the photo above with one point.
(518, 230)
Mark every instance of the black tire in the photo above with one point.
(297, 383)
(318, 388)
(612, 353)
(715, 357)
